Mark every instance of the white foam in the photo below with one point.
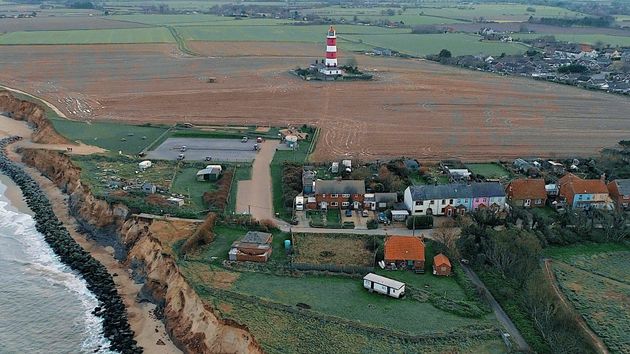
(44, 261)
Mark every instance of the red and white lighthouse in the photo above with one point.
(331, 48)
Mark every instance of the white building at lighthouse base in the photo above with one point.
(330, 70)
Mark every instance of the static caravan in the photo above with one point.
(382, 285)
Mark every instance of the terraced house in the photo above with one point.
(454, 198)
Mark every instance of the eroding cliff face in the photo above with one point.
(191, 324)
(32, 113)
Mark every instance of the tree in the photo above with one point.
(445, 53)
(447, 234)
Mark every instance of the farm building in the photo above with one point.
(210, 173)
(383, 285)
(619, 190)
(254, 247)
(404, 252)
(441, 265)
(528, 193)
(342, 194)
(179, 202)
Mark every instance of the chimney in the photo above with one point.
(603, 177)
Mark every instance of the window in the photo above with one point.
(334, 204)
(443, 210)
(335, 195)
(432, 202)
(344, 204)
(324, 195)
(345, 195)
(443, 201)
(538, 201)
(419, 202)
(451, 201)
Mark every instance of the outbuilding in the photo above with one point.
(441, 265)
(145, 164)
(210, 173)
(382, 285)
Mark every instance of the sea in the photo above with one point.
(44, 306)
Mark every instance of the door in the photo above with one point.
(528, 202)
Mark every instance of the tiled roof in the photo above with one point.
(406, 248)
(527, 189)
(440, 260)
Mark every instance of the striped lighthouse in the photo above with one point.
(331, 47)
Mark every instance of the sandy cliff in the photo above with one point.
(191, 324)
(34, 114)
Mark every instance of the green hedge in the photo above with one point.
(421, 222)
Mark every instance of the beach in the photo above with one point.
(149, 331)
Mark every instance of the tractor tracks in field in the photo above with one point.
(181, 42)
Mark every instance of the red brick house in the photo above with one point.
(404, 252)
(253, 247)
(339, 194)
(619, 191)
(527, 193)
(441, 265)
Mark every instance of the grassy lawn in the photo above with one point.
(424, 44)
(300, 155)
(489, 170)
(101, 36)
(130, 139)
(346, 298)
(186, 183)
(498, 12)
(332, 219)
(565, 253)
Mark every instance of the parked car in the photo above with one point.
(348, 212)
(244, 140)
(259, 139)
(365, 213)
(183, 148)
(382, 218)
(181, 156)
(208, 158)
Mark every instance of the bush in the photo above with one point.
(458, 307)
(202, 236)
(372, 224)
(421, 222)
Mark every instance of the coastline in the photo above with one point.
(14, 195)
(150, 332)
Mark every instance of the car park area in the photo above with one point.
(199, 149)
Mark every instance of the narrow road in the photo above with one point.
(254, 196)
(501, 316)
(597, 342)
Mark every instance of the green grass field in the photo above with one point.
(424, 44)
(104, 36)
(594, 277)
(186, 183)
(489, 170)
(614, 41)
(242, 172)
(130, 139)
(198, 20)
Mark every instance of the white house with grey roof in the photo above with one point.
(454, 198)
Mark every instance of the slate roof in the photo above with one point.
(623, 185)
(340, 187)
(257, 237)
(457, 190)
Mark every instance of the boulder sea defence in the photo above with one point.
(111, 307)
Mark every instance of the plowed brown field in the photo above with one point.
(413, 108)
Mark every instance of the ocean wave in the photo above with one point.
(42, 260)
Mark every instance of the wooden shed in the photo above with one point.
(441, 265)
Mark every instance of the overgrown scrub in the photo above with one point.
(202, 236)
(218, 199)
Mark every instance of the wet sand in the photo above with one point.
(14, 194)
